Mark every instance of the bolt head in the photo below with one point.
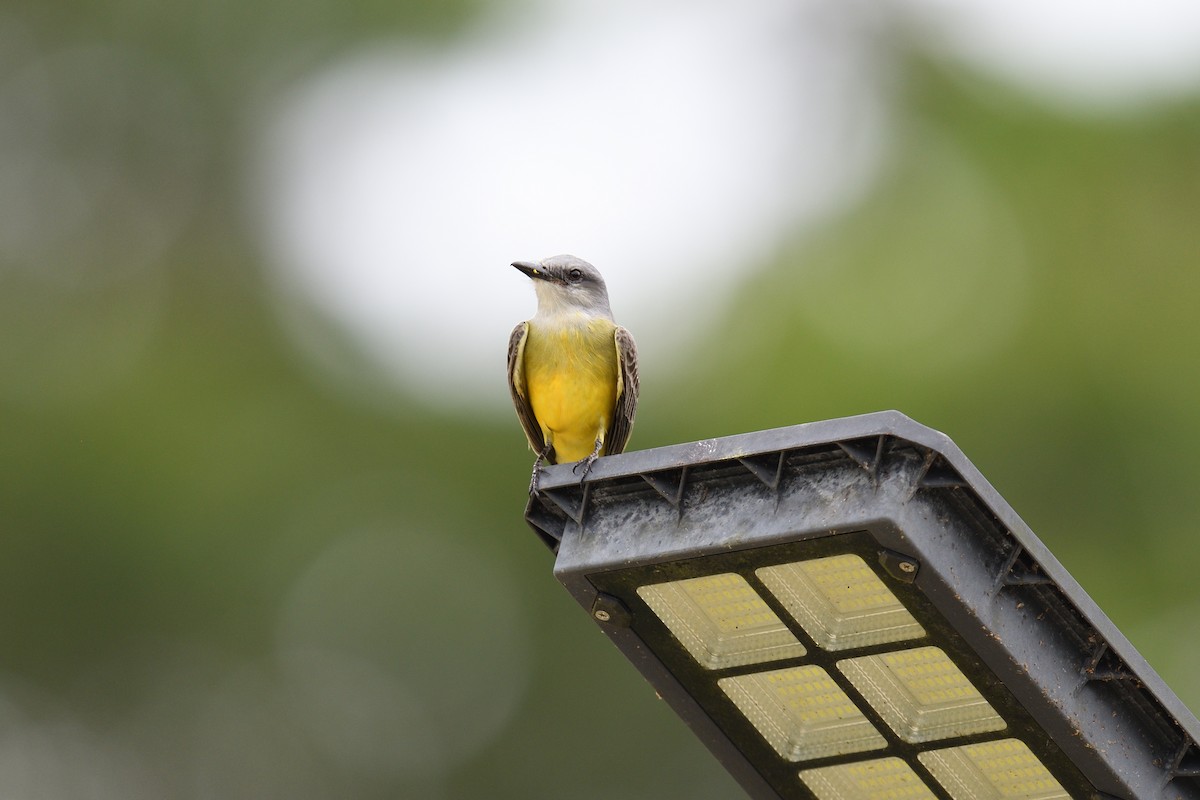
(610, 611)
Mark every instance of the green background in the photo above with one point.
(225, 574)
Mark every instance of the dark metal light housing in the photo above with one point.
(847, 610)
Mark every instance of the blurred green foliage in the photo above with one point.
(170, 471)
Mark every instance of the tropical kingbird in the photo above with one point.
(572, 371)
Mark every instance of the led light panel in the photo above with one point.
(823, 601)
(721, 621)
(921, 694)
(802, 713)
(880, 779)
(840, 602)
(1002, 770)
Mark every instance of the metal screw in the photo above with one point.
(900, 566)
(610, 611)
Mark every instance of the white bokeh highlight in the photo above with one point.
(671, 145)
(1094, 56)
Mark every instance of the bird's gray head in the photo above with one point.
(566, 283)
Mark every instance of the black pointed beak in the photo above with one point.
(531, 269)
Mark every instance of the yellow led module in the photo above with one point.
(921, 694)
(1001, 770)
(840, 602)
(880, 779)
(802, 713)
(721, 621)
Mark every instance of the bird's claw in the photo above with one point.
(585, 465)
(537, 468)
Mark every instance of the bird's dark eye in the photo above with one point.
(575, 276)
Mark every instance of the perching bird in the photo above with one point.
(572, 371)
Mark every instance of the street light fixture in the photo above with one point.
(847, 610)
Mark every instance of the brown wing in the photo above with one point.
(627, 393)
(516, 385)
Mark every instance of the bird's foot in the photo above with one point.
(586, 464)
(537, 468)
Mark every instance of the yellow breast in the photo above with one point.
(571, 378)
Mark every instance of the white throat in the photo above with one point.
(556, 306)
